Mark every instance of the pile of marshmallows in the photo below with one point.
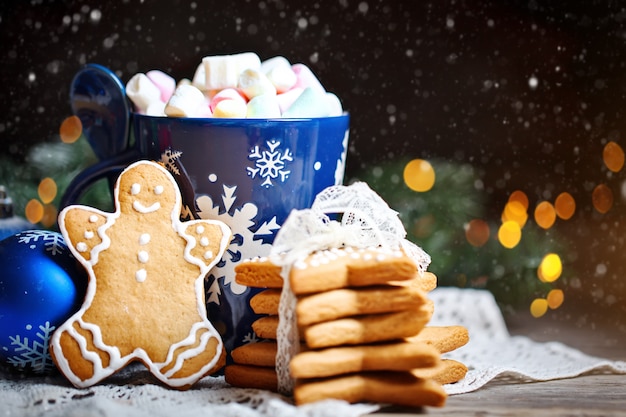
(235, 86)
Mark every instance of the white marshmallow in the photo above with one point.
(334, 105)
(222, 71)
(185, 102)
(286, 99)
(271, 63)
(142, 92)
(156, 109)
(253, 83)
(283, 78)
(199, 78)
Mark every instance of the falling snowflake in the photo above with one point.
(169, 158)
(33, 356)
(270, 164)
(53, 242)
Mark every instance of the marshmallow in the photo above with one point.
(156, 109)
(285, 100)
(283, 78)
(271, 63)
(334, 105)
(306, 78)
(185, 101)
(226, 94)
(142, 92)
(199, 78)
(311, 103)
(165, 83)
(253, 83)
(264, 106)
(222, 71)
(236, 109)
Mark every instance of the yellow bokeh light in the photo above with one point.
(47, 190)
(538, 307)
(555, 298)
(49, 217)
(33, 211)
(71, 129)
(602, 198)
(477, 232)
(545, 215)
(509, 234)
(515, 211)
(520, 197)
(419, 175)
(565, 206)
(613, 156)
(550, 268)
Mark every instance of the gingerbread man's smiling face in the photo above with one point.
(147, 193)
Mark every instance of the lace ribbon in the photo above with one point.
(364, 220)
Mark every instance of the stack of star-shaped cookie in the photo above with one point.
(362, 316)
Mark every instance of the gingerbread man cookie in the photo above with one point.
(145, 298)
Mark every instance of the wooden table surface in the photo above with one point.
(588, 395)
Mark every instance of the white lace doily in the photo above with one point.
(491, 353)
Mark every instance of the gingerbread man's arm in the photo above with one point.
(206, 242)
(79, 225)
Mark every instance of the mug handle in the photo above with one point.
(98, 99)
(109, 168)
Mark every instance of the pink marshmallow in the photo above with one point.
(164, 82)
(306, 78)
(226, 94)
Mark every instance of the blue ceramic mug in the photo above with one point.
(248, 173)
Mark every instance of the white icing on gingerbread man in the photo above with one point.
(145, 298)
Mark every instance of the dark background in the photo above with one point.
(439, 80)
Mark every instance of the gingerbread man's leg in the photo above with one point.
(88, 364)
(200, 354)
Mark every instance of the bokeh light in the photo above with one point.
(49, 217)
(545, 215)
(538, 307)
(34, 211)
(509, 234)
(550, 268)
(71, 129)
(602, 198)
(520, 197)
(565, 206)
(613, 156)
(515, 211)
(477, 232)
(555, 298)
(47, 190)
(419, 175)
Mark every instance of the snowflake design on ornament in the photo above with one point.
(245, 242)
(270, 164)
(33, 355)
(53, 242)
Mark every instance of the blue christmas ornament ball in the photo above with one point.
(41, 286)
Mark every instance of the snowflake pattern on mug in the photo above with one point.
(270, 164)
